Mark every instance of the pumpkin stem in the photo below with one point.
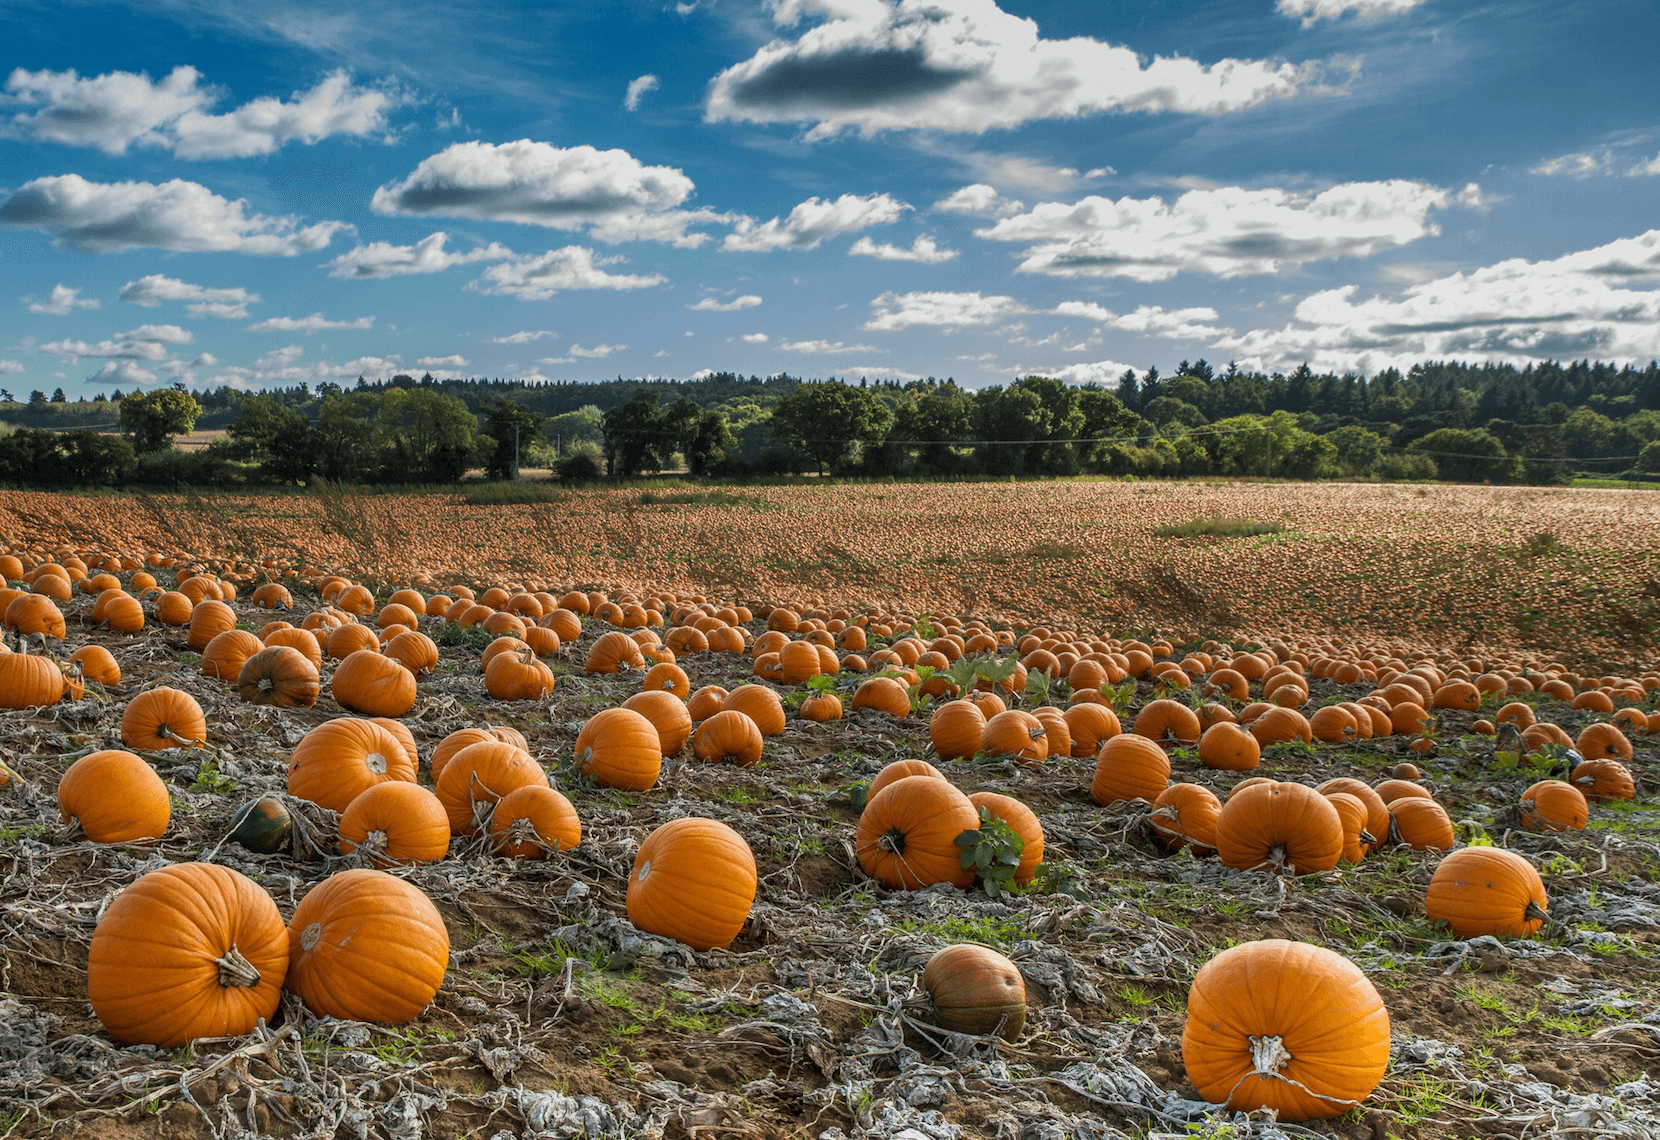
(235, 970)
(1535, 912)
(372, 851)
(1269, 1055)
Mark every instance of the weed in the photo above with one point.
(1216, 526)
(210, 779)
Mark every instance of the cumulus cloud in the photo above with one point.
(825, 347)
(638, 89)
(945, 310)
(185, 216)
(979, 199)
(710, 305)
(160, 334)
(283, 366)
(11, 368)
(1313, 10)
(314, 323)
(383, 259)
(922, 249)
(755, 338)
(121, 374)
(223, 310)
(1106, 373)
(598, 352)
(1572, 165)
(1176, 324)
(62, 301)
(1227, 231)
(877, 65)
(1583, 304)
(114, 111)
(455, 361)
(205, 360)
(573, 267)
(146, 342)
(524, 337)
(813, 222)
(155, 289)
(563, 188)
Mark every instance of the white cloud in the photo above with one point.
(638, 89)
(922, 249)
(1312, 10)
(598, 352)
(573, 267)
(62, 300)
(967, 66)
(151, 291)
(159, 334)
(825, 347)
(118, 109)
(813, 222)
(1227, 231)
(946, 310)
(205, 360)
(1573, 165)
(523, 337)
(442, 362)
(702, 374)
(11, 368)
(1650, 167)
(314, 323)
(1176, 324)
(755, 338)
(563, 188)
(979, 199)
(147, 342)
(221, 309)
(880, 372)
(1583, 304)
(283, 366)
(1106, 373)
(710, 305)
(177, 215)
(382, 259)
(121, 373)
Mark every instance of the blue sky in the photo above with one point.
(263, 194)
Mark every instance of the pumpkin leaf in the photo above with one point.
(994, 852)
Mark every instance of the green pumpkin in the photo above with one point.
(262, 825)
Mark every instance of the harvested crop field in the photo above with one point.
(1416, 626)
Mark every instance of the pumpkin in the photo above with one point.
(122, 613)
(161, 718)
(907, 835)
(1391, 790)
(348, 639)
(974, 989)
(1554, 805)
(761, 705)
(1604, 780)
(1185, 814)
(28, 680)
(113, 797)
(1353, 813)
(478, 776)
(532, 821)
(262, 825)
(1406, 772)
(1016, 734)
(1168, 722)
(1461, 695)
(1377, 812)
(1019, 817)
(1486, 890)
(97, 664)
(1285, 1026)
(1604, 742)
(455, 742)
(30, 614)
(1278, 725)
(706, 702)
(414, 651)
(1279, 825)
(620, 748)
(728, 736)
(956, 729)
(367, 683)
(187, 951)
(340, 759)
(667, 714)
(1227, 747)
(1421, 824)
(518, 675)
(365, 946)
(395, 822)
(821, 707)
(279, 676)
(883, 694)
(898, 770)
(302, 640)
(1129, 767)
(612, 652)
(208, 619)
(1335, 724)
(173, 608)
(1518, 713)
(1090, 726)
(693, 881)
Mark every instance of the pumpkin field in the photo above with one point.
(1027, 811)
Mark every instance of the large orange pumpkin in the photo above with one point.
(1273, 824)
(340, 759)
(956, 729)
(367, 683)
(1129, 767)
(728, 737)
(395, 822)
(1486, 890)
(279, 675)
(1186, 814)
(908, 833)
(760, 704)
(114, 797)
(478, 776)
(162, 718)
(693, 881)
(620, 748)
(532, 821)
(1024, 822)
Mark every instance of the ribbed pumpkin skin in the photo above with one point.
(547, 813)
(453, 743)
(29, 680)
(956, 729)
(279, 675)
(484, 772)
(1090, 726)
(1195, 808)
(208, 620)
(152, 974)
(667, 713)
(116, 796)
(162, 718)
(227, 652)
(367, 683)
(1228, 748)
(1129, 767)
(693, 881)
(614, 651)
(975, 990)
(1604, 780)
(341, 759)
(1291, 821)
(922, 817)
(1377, 812)
(1485, 890)
(1391, 790)
(412, 823)
(1351, 813)
(1328, 1016)
(1018, 735)
(620, 748)
(760, 704)
(97, 664)
(821, 707)
(1025, 823)
(898, 770)
(302, 640)
(1168, 722)
(883, 694)
(729, 735)
(1421, 824)
(1554, 805)
(366, 946)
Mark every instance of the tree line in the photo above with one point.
(1542, 424)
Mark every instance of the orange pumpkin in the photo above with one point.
(1227, 747)
(620, 748)
(532, 821)
(760, 704)
(162, 718)
(1129, 767)
(668, 715)
(367, 683)
(365, 946)
(1275, 825)
(114, 797)
(478, 776)
(728, 736)
(1486, 890)
(340, 759)
(1185, 814)
(1024, 822)
(907, 835)
(395, 822)
(693, 881)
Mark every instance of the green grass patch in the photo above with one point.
(1217, 526)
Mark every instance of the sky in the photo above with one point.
(261, 195)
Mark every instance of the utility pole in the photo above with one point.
(515, 455)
